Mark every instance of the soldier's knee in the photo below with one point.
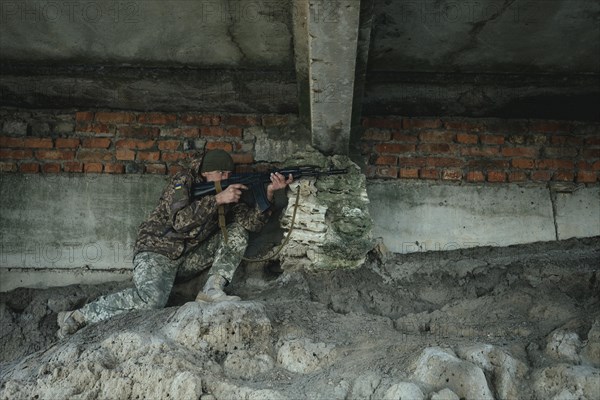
(238, 231)
(152, 300)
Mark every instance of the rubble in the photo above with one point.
(329, 335)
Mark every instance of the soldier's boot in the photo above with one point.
(69, 322)
(213, 290)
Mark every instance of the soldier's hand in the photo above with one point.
(230, 195)
(278, 182)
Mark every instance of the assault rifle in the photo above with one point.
(256, 183)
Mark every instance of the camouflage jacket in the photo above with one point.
(179, 224)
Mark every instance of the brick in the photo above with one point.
(200, 119)
(7, 141)
(234, 132)
(213, 131)
(596, 166)
(563, 176)
(590, 153)
(409, 173)
(444, 162)
(593, 140)
(550, 126)
(139, 131)
(136, 144)
(421, 123)
(94, 155)
(38, 143)
(245, 158)
(377, 135)
(452, 175)
(8, 167)
(98, 129)
(482, 164)
(155, 169)
(157, 119)
(435, 148)
(475, 176)
(530, 152)
(404, 137)
(541, 176)
(496, 176)
(219, 145)
(181, 132)
(583, 166)
(92, 168)
(586, 177)
(437, 137)
(55, 155)
(115, 117)
(428, 173)
(412, 161)
(169, 145)
(517, 176)
(96, 143)
(72, 166)
(386, 160)
(67, 143)
(563, 140)
(555, 164)
(170, 157)
(466, 126)
(560, 152)
(491, 139)
(467, 138)
(148, 156)
(241, 120)
(125, 155)
(523, 163)
(29, 168)
(394, 148)
(51, 168)
(84, 116)
(275, 120)
(111, 168)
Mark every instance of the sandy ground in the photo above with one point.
(368, 327)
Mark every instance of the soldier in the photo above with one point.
(180, 239)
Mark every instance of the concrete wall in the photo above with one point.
(68, 229)
(423, 216)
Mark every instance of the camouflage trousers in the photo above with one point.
(154, 274)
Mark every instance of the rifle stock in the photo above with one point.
(256, 181)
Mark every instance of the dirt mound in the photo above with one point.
(515, 322)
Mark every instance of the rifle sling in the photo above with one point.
(221, 210)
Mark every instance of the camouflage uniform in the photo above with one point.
(180, 239)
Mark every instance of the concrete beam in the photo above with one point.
(578, 213)
(327, 44)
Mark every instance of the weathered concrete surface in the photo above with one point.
(73, 222)
(418, 216)
(149, 32)
(58, 230)
(578, 213)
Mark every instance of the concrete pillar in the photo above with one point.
(326, 44)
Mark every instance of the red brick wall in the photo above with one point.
(470, 150)
(121, 142)
(482, 150)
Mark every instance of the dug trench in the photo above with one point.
(520, 322)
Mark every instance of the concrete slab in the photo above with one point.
(67, 221)
(422, 216)
(578, 213)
